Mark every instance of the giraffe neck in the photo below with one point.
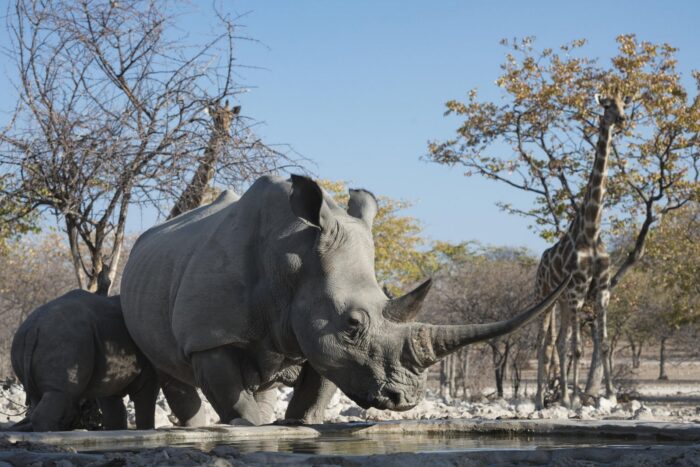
(193, 195)
(589, 216)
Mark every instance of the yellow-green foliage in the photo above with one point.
(14, 218)
(540, 137)
(673, 262)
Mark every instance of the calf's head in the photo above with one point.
(348, 329)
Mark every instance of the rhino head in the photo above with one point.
(347, 328)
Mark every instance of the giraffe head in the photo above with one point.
(222, 116)
(613, 109)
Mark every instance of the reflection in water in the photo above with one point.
(348, 444)
(394, 443)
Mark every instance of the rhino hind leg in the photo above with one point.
(144, 393)
(56, 411)
(218, 373)
(184, 401)
(23, 425)
(113, 412)
(312, 394)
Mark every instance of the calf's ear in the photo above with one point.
(307, 203)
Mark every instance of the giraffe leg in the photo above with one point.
(602, 294)
(562, 349)
(576, 355)
(543, 357)
(600, 361)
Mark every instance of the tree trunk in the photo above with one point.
(443, 379)
(636, 353)
(500, 363)
(515, 378)
(465, 373)
(72, 229)
(662, 360)
(452, 375)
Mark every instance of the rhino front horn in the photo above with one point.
(405, 308)
(430, 343)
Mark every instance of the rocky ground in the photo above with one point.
(674, 401)
(343, 410)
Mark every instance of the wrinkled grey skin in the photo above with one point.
(233, 296)
(77, 347)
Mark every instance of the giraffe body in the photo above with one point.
(579, 253)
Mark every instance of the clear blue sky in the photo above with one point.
(359, 86)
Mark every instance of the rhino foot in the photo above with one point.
(241, 422)
(289, 422)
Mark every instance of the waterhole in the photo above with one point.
(348, 444)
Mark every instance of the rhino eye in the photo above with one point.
(356, 318)
(355, 324)
(354, 321)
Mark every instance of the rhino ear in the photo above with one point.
(307, 202)
(362, 205)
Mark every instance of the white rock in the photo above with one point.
(554, 412)
(643, 413)
(606, 405)
(162, 417)
(524, 407)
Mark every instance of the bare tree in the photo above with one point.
(490, 285)
(112, 114)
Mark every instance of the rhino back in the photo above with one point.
(188, 284)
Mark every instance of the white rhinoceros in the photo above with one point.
(77, 347)
(229, 297)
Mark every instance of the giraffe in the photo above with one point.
(580, 253)
(194, 194)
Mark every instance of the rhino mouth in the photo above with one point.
(386, 400)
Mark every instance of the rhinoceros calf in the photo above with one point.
(229, 297)
(77, 347)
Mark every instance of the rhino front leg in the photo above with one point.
(113, 412)
(218, 373)
(312, 394)
(184, 401)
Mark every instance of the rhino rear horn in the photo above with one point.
(405, 308)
